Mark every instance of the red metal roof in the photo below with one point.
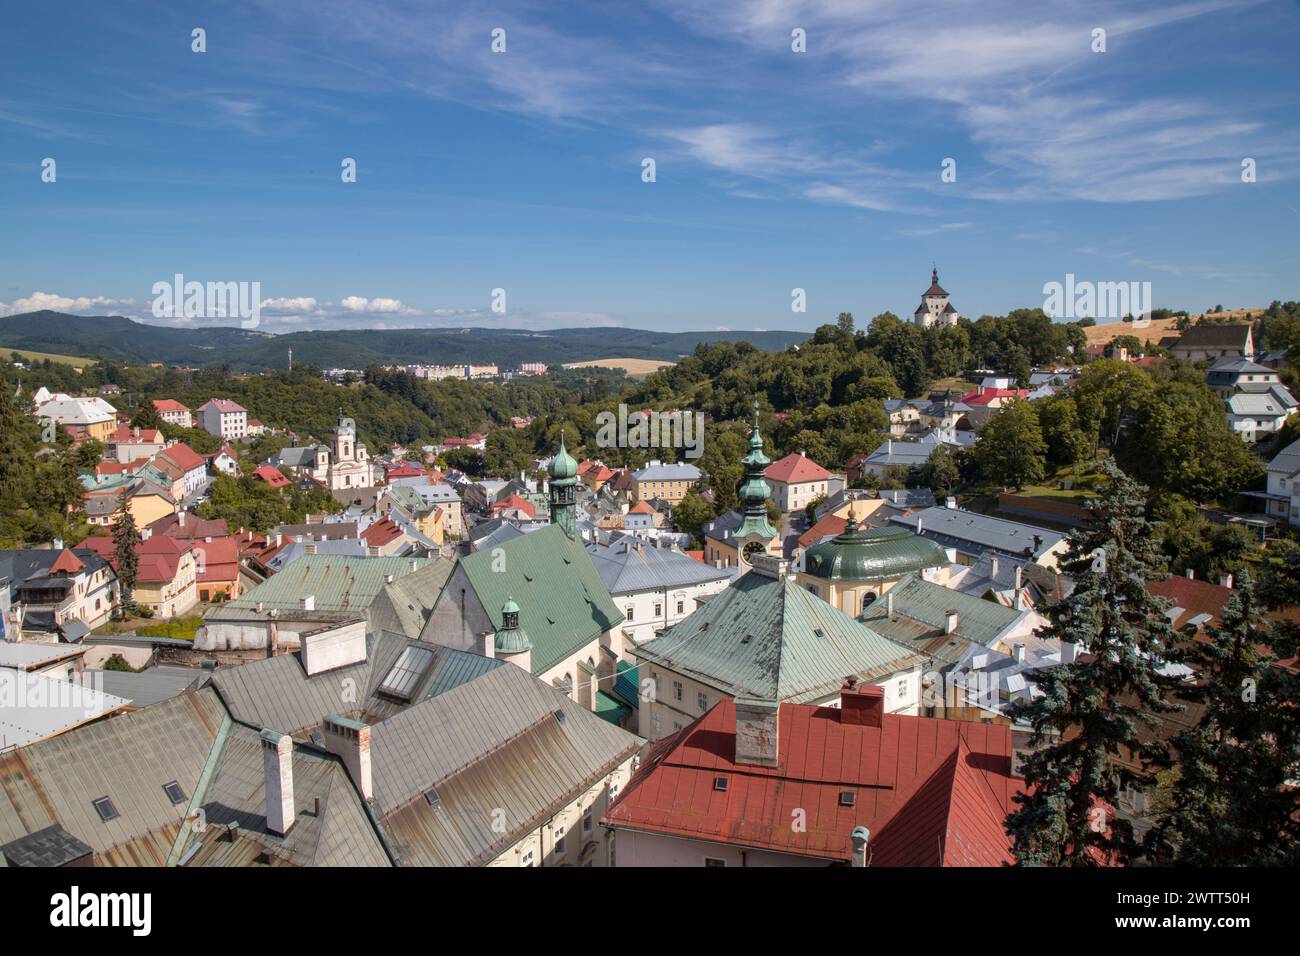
(514, 501)
(183, 456)
(271, 475)
(931, 792)
(795, 469)
(169, 405)
(381, 532)
(828, 526)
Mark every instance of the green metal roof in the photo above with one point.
(920, 617)
(562, 466)
(882, 553)
(342, 585)
(611, 709)
(563, 603)
(769, 638)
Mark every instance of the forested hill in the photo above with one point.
(125, 340)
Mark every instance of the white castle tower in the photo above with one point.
(935, 309)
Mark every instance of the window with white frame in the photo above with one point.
(902, 688)
(559, 841)
(526, 859)
(677, 690)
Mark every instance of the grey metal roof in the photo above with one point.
(276, 692)
(679, 471)
(127, 759)
(1287, 461)
(37, 706)
(340, 834)
(153, 684)
(959, 527)
(492, 744)
(31, 655)
(404, 606)
(631, 565)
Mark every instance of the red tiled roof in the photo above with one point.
(183, 456)
(983, 396)
(218, 559)
(403, 469)
(125, 433)
(271, 475)
(697, 555)
(160, 558)
(169, 405)
(829, 526)
(223, 405)
(190, 528)
(1193, 596)
(795, 469)
(381, 532)
(641, 508)
(514, 501)
(67, 562)
(932, 792)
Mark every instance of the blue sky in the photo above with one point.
(522, 170)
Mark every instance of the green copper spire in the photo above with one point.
(754, 491)
(563, 493)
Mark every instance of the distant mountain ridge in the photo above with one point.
(120, 339)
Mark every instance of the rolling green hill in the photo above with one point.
(125, 340)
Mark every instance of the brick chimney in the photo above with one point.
(757, 731)
(861, 705)
(277, 759)
(350, 741)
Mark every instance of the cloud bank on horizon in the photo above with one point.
(832, 146)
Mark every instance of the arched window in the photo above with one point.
(867, 599)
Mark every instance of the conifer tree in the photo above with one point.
(1086, 713)
(124, 542)
(1230, 804)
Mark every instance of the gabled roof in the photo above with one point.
(495, 742)
(769, 638)
(969, 527)
(271, 475)
(223, 405)
(679, 471)
(931, 792)
(342, 586)
(628, 566)
(382, 532)
(795, 468)
(1287, 461)
(920, 610)
(169, 405)
(1214, 336)
(564, 602)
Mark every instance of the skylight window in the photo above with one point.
(431, 795)
(720, 783)
(174, 792)
(406, 673)
(848, 798)
(104, 807)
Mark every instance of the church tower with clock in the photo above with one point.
(755, 534)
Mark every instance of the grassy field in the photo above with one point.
(79, 361)
(1157, 329)
(635, 368)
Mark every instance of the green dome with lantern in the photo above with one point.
(876, 555)
(510, 637)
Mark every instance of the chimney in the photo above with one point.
(414, 565)
(180, 519)
(260, 607)
(861, 705)
(1225, 581)
(388, 579)
(860, 838)
(1191, 574)
(950, 621)
(350, 741)
(307, 602)
(920, 526)
(993, 568)
(277, 759)
(1020, 574)
(756, 731)
(1069, 652)
(1018, 652)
